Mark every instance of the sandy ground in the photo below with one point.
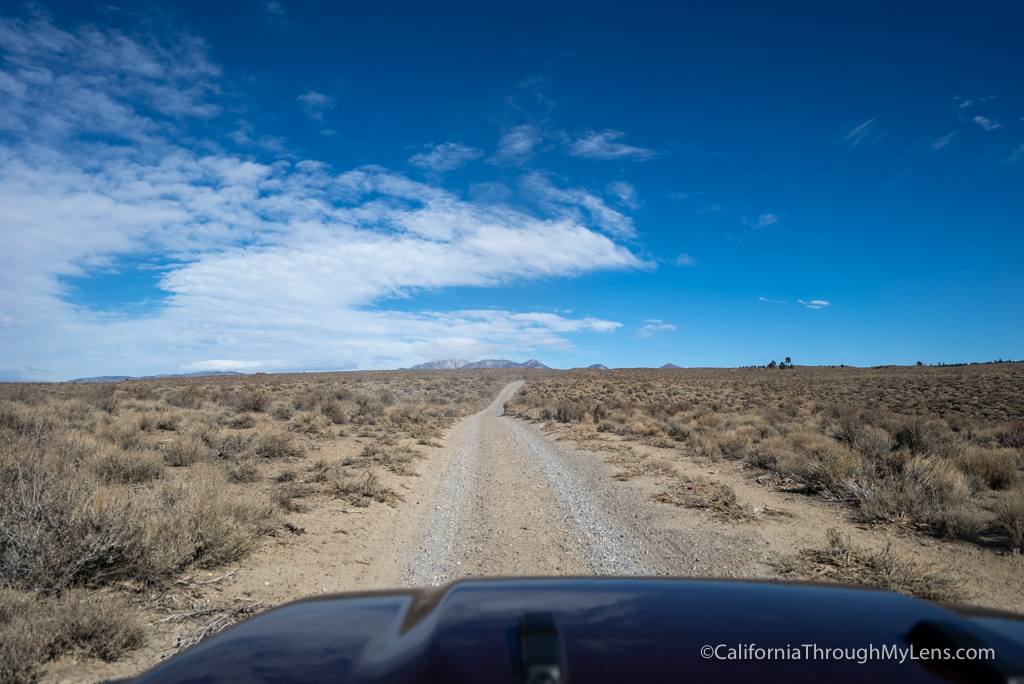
(503, 498)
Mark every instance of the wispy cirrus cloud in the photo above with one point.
(685, 260)
(987, 123)
(274, 14)
(286, 265)
(814, 303)
(594, 145)
(516, 146)
(568, 202)
(315, 104)
(446, 157)
(624, 193)
(654, 326)
(865, 132)
(762, 221)
(771, 301)
(941, 142)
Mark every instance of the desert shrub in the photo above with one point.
(1010, 516)
(309, 422)
(123, 431)
(369, 407)
(959, 523)
(200, 518)
(254, 400)
(767, 453)
(169, 421)
(185, 450)
(276, 444)
(242, 469)
(1013, 434)
(58, 526)
(113, 466)
(242, 422)
(34, 630)
(924, 490)
(335, 411)
(734, 446)
(319, 472)
(707, 447)
(188, 397)
(281, 412)
(570, 411)
(874, 443)
(988, 468)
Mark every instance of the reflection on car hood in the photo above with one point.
(614, 630)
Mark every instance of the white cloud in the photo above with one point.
(771, 301)
(594, 145)
(625, 193)
(281, 266)
(685, 260)
(762, 221)
(987, 124)
(814, 303)
(445, 157)
(516, 146)
(654, 327)
(567, 202)
(314, 104)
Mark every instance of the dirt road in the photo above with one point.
(513, 502)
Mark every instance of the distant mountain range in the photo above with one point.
(119, 378)
(453, 364)
(670, 365)
(598, 366)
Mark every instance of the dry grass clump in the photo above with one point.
(840, 561)
(113, 466)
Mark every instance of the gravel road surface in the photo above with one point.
(513, 503)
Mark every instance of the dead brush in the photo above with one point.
(398, 461)
(361, 488)
(700, 493)
(840, 561)
(638, 464)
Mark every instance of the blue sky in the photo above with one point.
(288, 186)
